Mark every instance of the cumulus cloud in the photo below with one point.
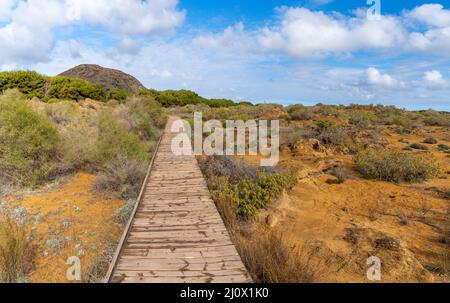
(134, 17)
(29, 33)
(430, 14)
(376, 78)
(436, 37)
(435, 79)
(305, 33)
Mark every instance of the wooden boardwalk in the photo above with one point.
(176, 234)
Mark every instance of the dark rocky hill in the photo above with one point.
(106, 77)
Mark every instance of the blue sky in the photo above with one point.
(305, 51)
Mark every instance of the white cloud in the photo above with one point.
(435, 79)
(376, 78)
(233, 38)
(6, 7)
(134, 17)
(29, 34)
(436, 37)
(431, 14)
(305, 33)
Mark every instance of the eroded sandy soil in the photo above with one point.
(402, 224)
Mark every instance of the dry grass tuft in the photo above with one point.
(17, 252)
(269, 259)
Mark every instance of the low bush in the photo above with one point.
(115, 142)
(116, 94)
(270, 259)
(430, 141)
(123, 214)
(142, 116)
(341, 175)
(62, 87)
(79, 151)
(419, 146)
(29, 83)
(443, 147)
(433, 118)
(250, 196)
(390, 115)
(45, 88)
(29, 144)
(171, 98)
(63, 112)
(122, 178)
(394, 166)
(301, 113)
(17, 252)
(332, 134)
(362, 119)
(234, 170)
(246, 187)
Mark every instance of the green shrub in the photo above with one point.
(419, 146)
(62, 87)
(143, 117)
(79, 148)
(443, 147)
(362, 119)
(29, 144)
(430, 141)
(250, 196)
(332, 134)
(242, 188)
(394, 166)
(117, 94)
(114, 142)
(433, 118)
(220, 103)
(302, 114)
(33, 84)
(29, 83)
(245, 103)
(171, 98)
(123, 214)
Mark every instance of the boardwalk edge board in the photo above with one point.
(130, 220)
